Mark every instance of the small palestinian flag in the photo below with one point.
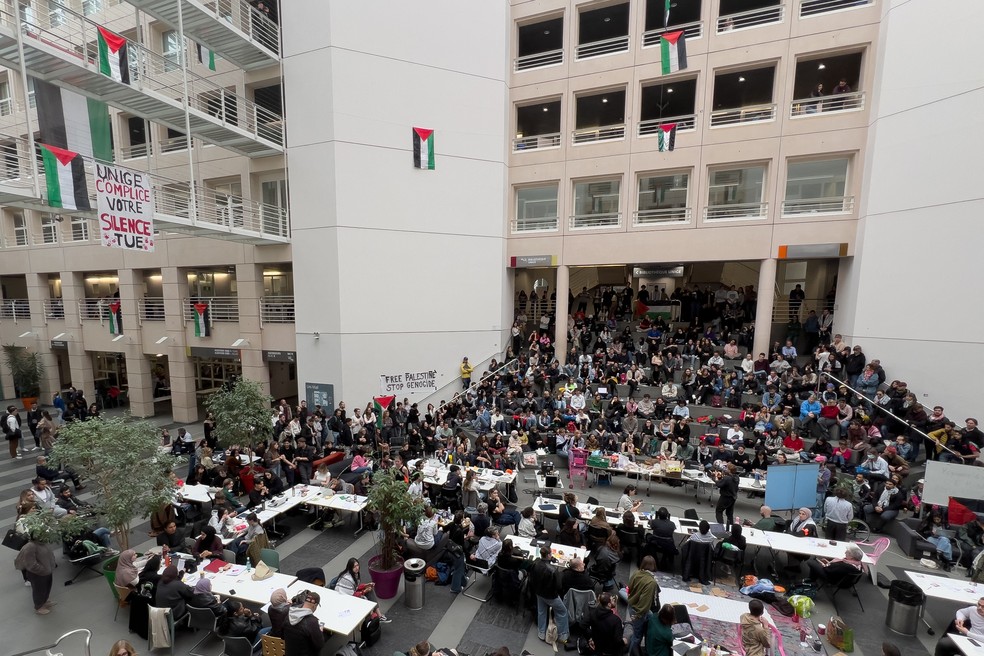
(202, 324)
(113, 61)
(115, 319)
(666, 137)
(379, 404)
(64, 177)
(673, 52)
(423, 148)
(206, 57)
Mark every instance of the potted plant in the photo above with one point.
(394, 508)
(27, 369)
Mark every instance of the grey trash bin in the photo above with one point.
(905, 607)
(413, 583)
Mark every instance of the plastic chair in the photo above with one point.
(273, 646)
(270, 557)
(121, 593)
(237, 646)
(171, 623)
(229, 556)
(473, 574)
(201, 618)
(577, 463)
(879, 546)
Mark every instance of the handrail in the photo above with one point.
(662, 215)
(15, 308)
(220, 308)
(277, 309)
(457, 379)
(739, 115)
(736, 211)
(536, 142)
(815, 7)
(93, 308)
(53, 308)
(830, 205)
(599, 220)
(138, 151)
(16, 165)
(539, 60)
(248, 20)
(88, 636)
(840, 102)
(603, 47)
(691, 31)
(751, 18)
(683, 123)
(542, 224)
(780, 307)
(601, 133)
(151, 308)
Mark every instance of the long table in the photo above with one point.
(195, 493)
(237, 582)
(708, 606)
(351, 503)
(436, 473)
(959, 590)
(338, 613)
(562, 552)
(969, 646)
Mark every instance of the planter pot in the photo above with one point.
(387, 581)
(28, 401)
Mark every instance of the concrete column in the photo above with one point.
(140, 386)
(181, 370)
(763, 307)
(79, 360)
(37, 294)
(249, 288)
(560, 330)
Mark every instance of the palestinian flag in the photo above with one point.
(202, 324)
(64, 176)
(666, 14)
(206, 57)
(423, 148)
(380, 403)
(673, 52)
(70, 121)
(115, 319)
(113, 61)
(666, 137)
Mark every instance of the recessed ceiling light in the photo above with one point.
(604, 100)
(821, 66)
(670, 90)
(741, 79)
(546, 109)
(546, 31)
(608, 19)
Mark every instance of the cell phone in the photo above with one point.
(232, 592)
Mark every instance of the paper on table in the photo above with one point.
(697, 589)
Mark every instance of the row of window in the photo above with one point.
(815, 186)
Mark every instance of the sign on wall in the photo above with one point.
(125, 203)
(408, 382)
(322, 394)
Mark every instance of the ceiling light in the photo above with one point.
(608, 19)
(741, 79)
(670, 90)
(117, 338)
(546, 31)
(604, 100)
(546, 109)
(821, 66)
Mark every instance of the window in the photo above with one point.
(49, 229)
(9, 161)
(536, 208)
(20, 230)
(229, 203)
(80, 228)
(136, 128)
(816, 186)
(222, 104)
(175, 141)
(56, 13)
(90, 7)
(596, 204)
(171, 48)
(663, 198)
(736, 193)
(31, 96)
(274, 208)
(6, 102)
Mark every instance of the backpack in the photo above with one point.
(784, 607)
(349, 649)
(443, 574)
(332, 583)
(371, 631)
(5, 426)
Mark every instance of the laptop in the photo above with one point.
(550, 480)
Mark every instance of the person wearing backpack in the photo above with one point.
(10, 424)
(546, 585)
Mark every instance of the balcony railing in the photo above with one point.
(592, 221)
(220, 308)
(752, 18)
(736, 211)
(683, 123)
(536, 142)
(541, 224)
(94, 309)
(805, 206)
(593, 135)
(54, 308)
(539, 60)
(173, 145)
(814, 7)
(691, 31)
(662, 215)
(751, 114)
(137, 151)
(15, 308)
(604, 47)
(277, 309)
(151, 309)
(16, 167)
(248, 20)
(842, 102)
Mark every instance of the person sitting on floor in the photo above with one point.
(348, 582)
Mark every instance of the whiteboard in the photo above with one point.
(946, 479)
(792, 486)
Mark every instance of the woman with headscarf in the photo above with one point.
(173, 593)
(208, 544)
(278, 610)
(149, 578)
(204, 598)
(804, 525)
(126, 569)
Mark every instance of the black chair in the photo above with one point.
(844, 583)
(631, 543)
(202, 618)
(664, 550)
(733, 559)
(597, 536)
(696, 561)
(691, 513)
(592, 501)
(682, 616)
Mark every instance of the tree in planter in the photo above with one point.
(242, 414)
(26, 368)
(394, 508)
(121, 460)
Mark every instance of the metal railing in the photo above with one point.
(151, 309)
(16, 165)
(94, 309)
(781, 308)
(814, 7)
(536, 142)
(593, 135)
(15, 308)
(841, 102)
(691, 31)
(277, 309)
(683, 123)
(76, 37)
(740, 115)
(138, 151)
(540, 224)
(662, 215)
(594, 221)
(220, 308)
(831, 205)
(54, 308)
(539, 60)
(736, 211)
(752, 18)
(241, 15)
(603, 47)
(173, 145)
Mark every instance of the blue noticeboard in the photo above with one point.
(792, 486)
(322, 394)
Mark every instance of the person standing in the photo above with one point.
(796, 298)
(38, 563)
(659, 636)
(33, 419)
(546, 585)
(466, 373)
(643, 594)
(11, 425)
(727, 485)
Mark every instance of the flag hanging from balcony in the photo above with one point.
(113, 61)
(202, 327)
(666, 14)
(206, 57)
(666, 137)
(379, 404)
(73, 122)
(115, 318)
(64, 176)
(673, 52)
(423, 148)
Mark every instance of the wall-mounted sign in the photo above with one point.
(322, 394)
(207, 352)
(410, 382)
(280, 356)
(59, 344)
(527, 261)
(658, 272)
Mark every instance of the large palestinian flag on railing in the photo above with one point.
(73, 122)
(115, 318)
(673, 52)
(113, 60)
(203, 326)
(64, 178)
(666, 137)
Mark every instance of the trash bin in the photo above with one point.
(905, 607)
(413, 575)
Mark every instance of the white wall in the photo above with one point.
(912, 295)
(398, 269)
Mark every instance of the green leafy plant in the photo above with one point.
(26, 368)
(41, 526)
(121, 460)
(242, 414)
(394, 507)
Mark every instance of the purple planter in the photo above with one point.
(387, 581)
